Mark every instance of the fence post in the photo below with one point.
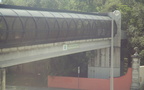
(135, 71)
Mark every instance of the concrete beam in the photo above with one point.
(26, 54)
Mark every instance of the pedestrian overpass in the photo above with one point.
(31, 34)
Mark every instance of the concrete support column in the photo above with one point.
(107, 57)
(98, 58)
(3, 78)
(116, 58)
(103, 57)
(135, 71)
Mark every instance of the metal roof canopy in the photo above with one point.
(8, 10)
(34, 13)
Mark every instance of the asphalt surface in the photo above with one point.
(34, 88)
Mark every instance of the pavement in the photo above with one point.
(34, 88)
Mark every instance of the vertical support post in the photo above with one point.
(78, 75)
(135, 71)
(0, 80)
(107, 57)
(115, 41)
(3, 79)
(112, 53)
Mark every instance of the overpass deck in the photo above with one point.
(26, 54)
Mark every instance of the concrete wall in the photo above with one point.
(99, 66)
(120, 83)
(99, 72)
(142, 77)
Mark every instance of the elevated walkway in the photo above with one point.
(26, 54)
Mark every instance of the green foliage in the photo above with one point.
(141, 1)
(125, 66)
(9, 2)
(132, 22)
(135, 29)
(68, 65)
(126, 15)
(75, 5)
(111, 5)
(142, 57)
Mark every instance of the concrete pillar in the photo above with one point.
(98, 58)
(116, 57)
(3, 79)
(103, 57)
(107, 57)
(135, 72)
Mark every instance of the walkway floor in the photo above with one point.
(28, 82)
(33, 88)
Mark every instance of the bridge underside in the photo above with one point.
(26, 54)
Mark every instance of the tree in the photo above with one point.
(68, 65)
(136, 28)
(9, 2)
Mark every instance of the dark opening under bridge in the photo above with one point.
(31, 34)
